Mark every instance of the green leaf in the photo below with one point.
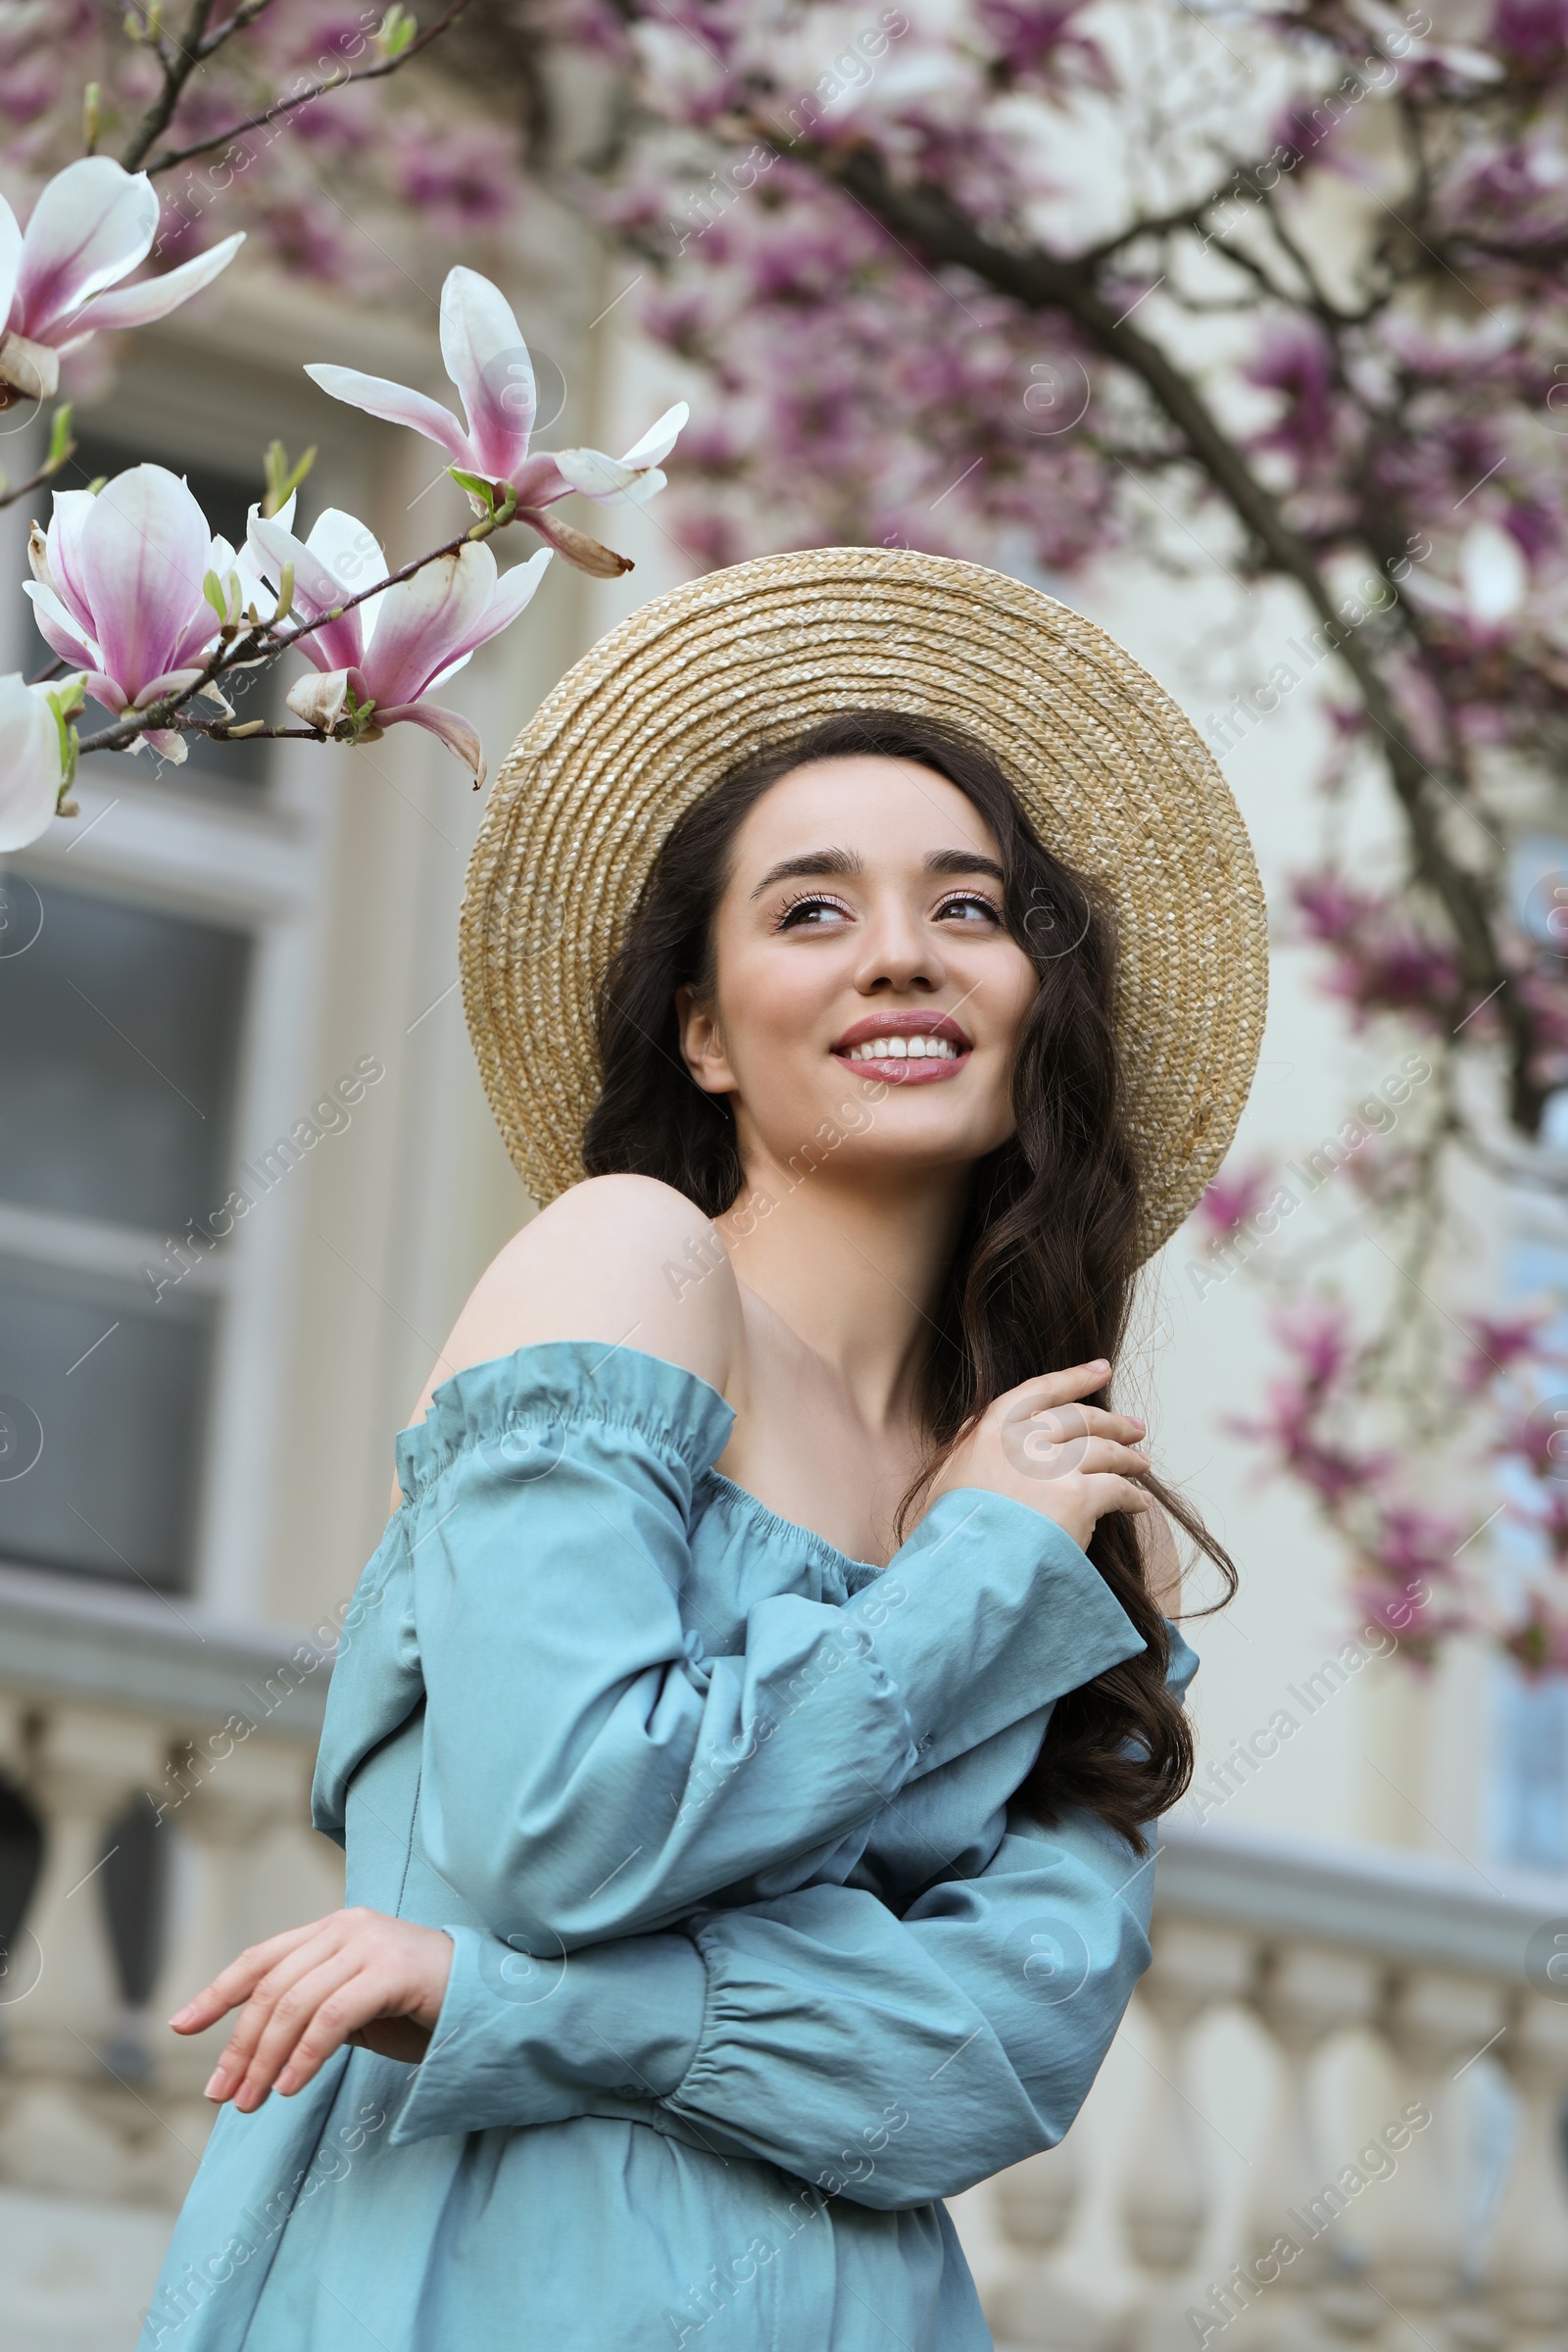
(64, 702)
(281, 479)
(476, 485)
(213, 590)
(398, 28)
(61, 444)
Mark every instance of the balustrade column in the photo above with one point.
(1166, 2193)
(1034, 2203)
(1529, 2251)
(80, 1768)
(1308, 1994)
(1435, 2024)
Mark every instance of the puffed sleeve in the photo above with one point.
(889, 2060)
(590, 1765)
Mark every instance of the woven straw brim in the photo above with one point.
(1113, 776)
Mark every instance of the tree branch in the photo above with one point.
(171, 156)
(924, 219)
(179, 64)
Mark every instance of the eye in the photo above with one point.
(809, 911)
(972, 905)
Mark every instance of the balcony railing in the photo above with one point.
(154, 1778)
(1342, 2122)
(1334, 2115)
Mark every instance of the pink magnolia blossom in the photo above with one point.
(488, 360)
(117, 590)
(91, 227)
(378, 659)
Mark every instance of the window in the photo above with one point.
(156, 965)
(1528, 1782)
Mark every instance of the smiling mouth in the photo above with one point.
(907, 1051)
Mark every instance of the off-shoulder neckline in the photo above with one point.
(447, 1404)
(852, 1570)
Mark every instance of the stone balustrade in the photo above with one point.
(155, 1776)
(1337, 2117)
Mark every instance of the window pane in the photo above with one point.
(119, 1031)
(101, 1413)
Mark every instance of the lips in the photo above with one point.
(905, 1048)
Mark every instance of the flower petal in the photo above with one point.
(143, 557)
(627, 480)
(57, 629)
(488, 360)
(426, 621)
(31, 775)
(337, 644)
(513, 593)
(319, 701)
(62, 553)
(10, 258)
(91, 225)
(352, 554)
(155, 297)
(174, 682)
(32, 368)
(399, 404)
(450, 725)
(659, 439)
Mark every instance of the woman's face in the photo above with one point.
(868, 993)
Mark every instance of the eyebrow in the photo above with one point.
(847, 863)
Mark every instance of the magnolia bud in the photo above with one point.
(588, 555)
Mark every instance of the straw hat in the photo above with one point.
(1114, 780)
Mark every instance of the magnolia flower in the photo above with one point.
(488, 360)
(91, 225)
(35, 755)
(1494, 576)
(119, 586)
(379, 659)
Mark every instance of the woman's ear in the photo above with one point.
(701, 1044)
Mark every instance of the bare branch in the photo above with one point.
(171, 156)
(179, 63)
(924, 220)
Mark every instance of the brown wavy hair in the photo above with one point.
(1044, 1271)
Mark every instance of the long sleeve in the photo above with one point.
(591, 1765)
(890, 2060)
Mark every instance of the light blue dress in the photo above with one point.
(754, 1960)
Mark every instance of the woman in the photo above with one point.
(747, 1725)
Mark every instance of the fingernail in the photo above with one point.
(212, 2081)
(181, 2014)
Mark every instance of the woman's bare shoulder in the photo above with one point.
(620, 1259)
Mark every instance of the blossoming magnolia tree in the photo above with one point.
(1275, 296)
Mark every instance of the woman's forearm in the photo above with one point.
(888, 2060)
(592, 1767)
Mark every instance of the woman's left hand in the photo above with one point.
(355, 1975)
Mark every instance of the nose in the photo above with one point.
(898, 953)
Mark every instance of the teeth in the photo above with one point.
(919, 1047)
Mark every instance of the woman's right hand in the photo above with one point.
(1069, 1462)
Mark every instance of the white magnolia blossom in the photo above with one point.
(34, 756)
